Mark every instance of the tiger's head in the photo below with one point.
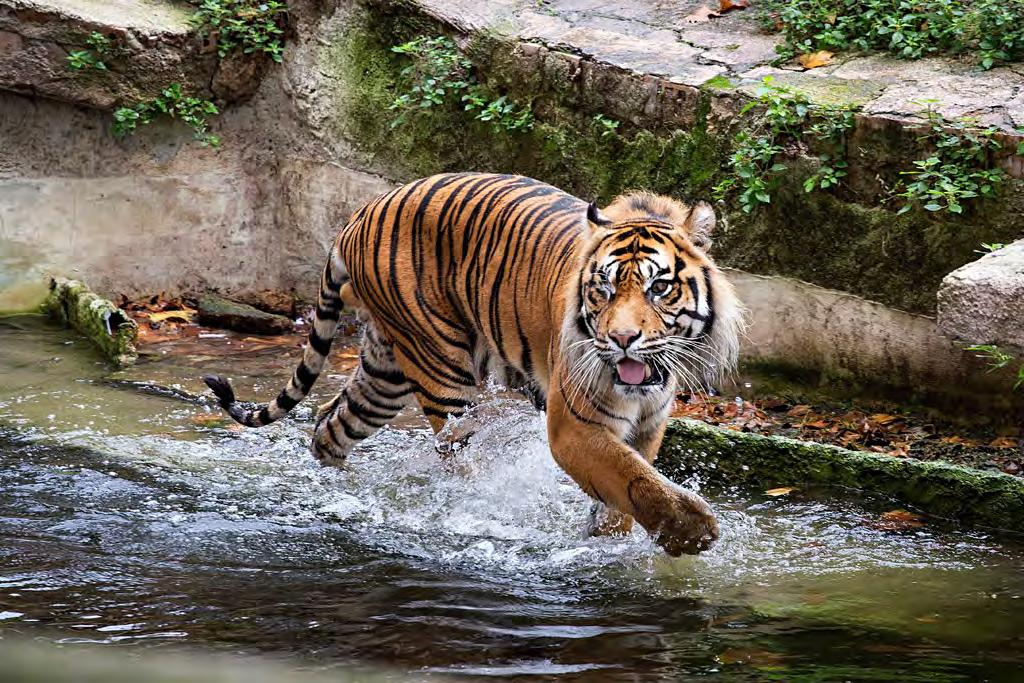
(652, 304)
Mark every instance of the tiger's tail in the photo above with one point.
(321, 335)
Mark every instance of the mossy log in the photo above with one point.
(721, 456)
(105, 325)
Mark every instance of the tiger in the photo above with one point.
(599, 315)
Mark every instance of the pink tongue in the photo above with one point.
(631, 371)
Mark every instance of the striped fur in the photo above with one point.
(599, 316)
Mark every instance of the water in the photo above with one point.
(131, 518)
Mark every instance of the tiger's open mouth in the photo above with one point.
(635, 373)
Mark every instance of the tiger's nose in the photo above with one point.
(624, 338)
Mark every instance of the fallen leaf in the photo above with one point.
(729, 5)
(1003, 442)
(210, 420)
(779, 491)
(799, 411)
(185, 315)
(813, 60)
(701, 15)
(960, 441)
(898, 520)
(885, 419)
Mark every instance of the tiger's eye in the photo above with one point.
(659, 287)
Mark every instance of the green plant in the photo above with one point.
(987, 248)
(958, 168)
(994, 29)
(99, 47)
(436, 75)
(173, 103)
(608, 126)
(998, 359)
(252, 26)
(786, 119)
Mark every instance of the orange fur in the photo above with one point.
(464, 276)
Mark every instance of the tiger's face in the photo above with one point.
(651, 298)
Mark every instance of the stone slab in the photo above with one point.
(154, 46)
(726, 457)
(983, 301)
(659, 39)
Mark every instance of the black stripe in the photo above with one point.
(285, 401)
(305, 377)
(398, 393)
(349, 431)
(389, 376)
(364, 412)
(320, 344)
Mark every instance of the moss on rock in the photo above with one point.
(898, 260)
(565, 146)
(105, 325)
(673, 143)
(735, 458)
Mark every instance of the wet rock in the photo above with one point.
(271, 301)
(973, 496)
(219, 312)
(238, 75)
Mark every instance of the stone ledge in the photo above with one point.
(983, 301)
(724, 457)
(652, 39)
(157, 46)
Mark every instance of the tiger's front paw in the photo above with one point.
(680, 521)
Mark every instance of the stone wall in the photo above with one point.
(157, 212)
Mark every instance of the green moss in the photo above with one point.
(896, 260)
(718, 83)
(839, 241)
(109, 328)
(565, 147)
(734, 458)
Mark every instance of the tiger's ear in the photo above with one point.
(596, 218)
(700, 224)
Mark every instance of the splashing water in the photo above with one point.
(124, 518)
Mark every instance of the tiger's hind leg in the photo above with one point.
(446, 388)
(373, 395)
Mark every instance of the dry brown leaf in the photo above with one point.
(701, 15)
(185, 315)
(898, 520)
(729, 5)
(209, 420)
(779, 491)
(813, 60)
(1003, 442)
